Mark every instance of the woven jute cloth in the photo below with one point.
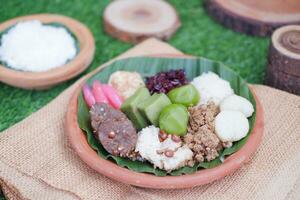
(37, 161)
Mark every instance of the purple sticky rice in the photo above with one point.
(163, 82)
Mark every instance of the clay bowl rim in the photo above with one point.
(46, 79)
(105, 167)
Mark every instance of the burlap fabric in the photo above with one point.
(37, 162)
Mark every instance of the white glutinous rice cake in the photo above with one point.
(212, 88)
(33, 46)
(179, 159)
(237, 103)
(147, 145)
(231, 125)
(151, 148)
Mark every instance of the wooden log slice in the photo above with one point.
(255, 17)
(137, 20)
(283, 69)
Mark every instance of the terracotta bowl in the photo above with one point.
(43, 80)
(80, 145)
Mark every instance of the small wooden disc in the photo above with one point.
(255, 17)
(283, 70)
(136, 20)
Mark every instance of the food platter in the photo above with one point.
(46, 79)
(231, 163)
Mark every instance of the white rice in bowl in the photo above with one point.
(212, 88)
(33, 46)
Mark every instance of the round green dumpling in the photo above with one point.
(186, 95)
(173, 119)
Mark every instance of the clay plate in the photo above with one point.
(43, 80)
(80, 145)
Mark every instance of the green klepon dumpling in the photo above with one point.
(186, 95)
(151, 107)
(129, 107)
(173, 119)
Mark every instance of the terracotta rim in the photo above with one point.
(42, 80)
(79, 143)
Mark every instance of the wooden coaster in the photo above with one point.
(136, 20)
(283, 70)
(255, 17)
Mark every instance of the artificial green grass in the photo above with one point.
(199, 35)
